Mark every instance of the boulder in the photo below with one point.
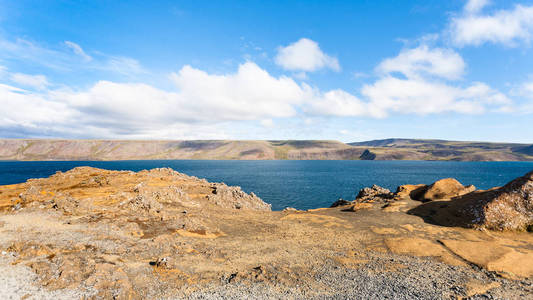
(507, 208)
(446, 189)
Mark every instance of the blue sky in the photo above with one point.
(344, 70)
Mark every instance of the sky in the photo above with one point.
(334, 70)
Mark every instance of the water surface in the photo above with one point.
(299, 184)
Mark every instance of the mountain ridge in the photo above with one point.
(386, 149)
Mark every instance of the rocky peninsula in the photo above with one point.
(160, 234)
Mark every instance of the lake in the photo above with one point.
(298, 184)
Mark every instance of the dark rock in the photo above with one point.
(340, 202)
(374, 194)
(367, 155)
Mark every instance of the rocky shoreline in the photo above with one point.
(161, 234)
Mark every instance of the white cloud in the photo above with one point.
(250, 93)
(22, 52)
(428, 86)
(200, 104)
(300, 75)
(506, 27)
(34, 81)
(78, 50)
(121, 65)
(525, 92)
(423, 61)
(405, 96)
(32, 112)
(53, 114)
(268, 123)
(358, 75)
(305, 55)
(25, 51)
(528, 88)
(474, 6)
(425, 87)
(110, 109)
(339, 103)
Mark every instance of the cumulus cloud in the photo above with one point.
(248, 94)
(200, 103)
(32, 112)
(339, 103)
(423, 61)
(508, 27)
(78, 50)
(427, 85)
(34, 81)
(305, 55)
(423, 97)
(113, 109)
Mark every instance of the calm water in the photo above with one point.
(300, 184)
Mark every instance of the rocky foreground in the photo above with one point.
(161, 234)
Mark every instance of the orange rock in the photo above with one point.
(413, 191)
(446, 189)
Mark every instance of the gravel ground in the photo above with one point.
(420, 279)
(19, 282)
(417, 278)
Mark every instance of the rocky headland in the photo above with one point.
(160, 234)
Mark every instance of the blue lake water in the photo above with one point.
(299, 184)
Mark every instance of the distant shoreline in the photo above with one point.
(387, 149)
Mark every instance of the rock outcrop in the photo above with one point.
(152, 191)
(413, 191)
(340, 202)
(374, 193)
(446, 189)
(234, 197)
(439, 190)
(507, 208)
